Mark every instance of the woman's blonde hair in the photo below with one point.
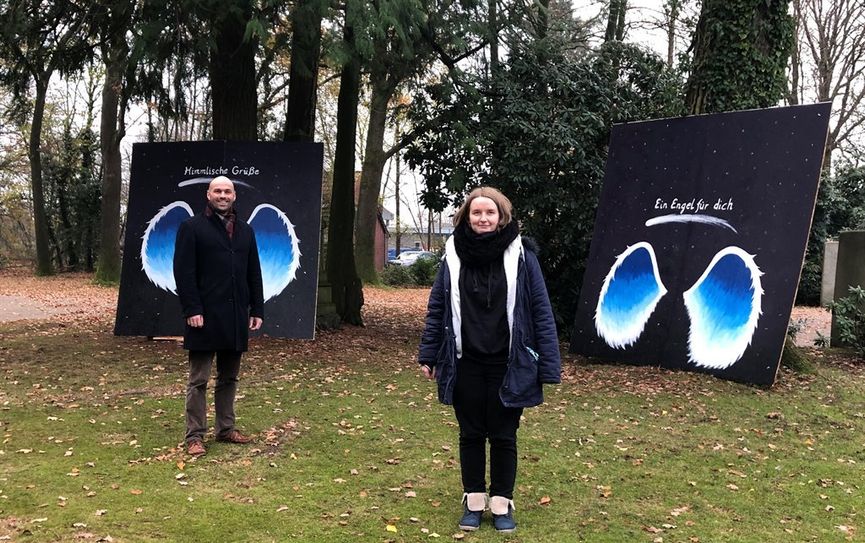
(502, 203)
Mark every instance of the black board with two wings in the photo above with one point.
(699, 241)
(278, 188)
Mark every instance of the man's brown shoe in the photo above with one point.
(234, 436)
(196, 448)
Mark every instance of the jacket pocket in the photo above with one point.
(521, 381)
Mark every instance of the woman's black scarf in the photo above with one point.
(476, 250)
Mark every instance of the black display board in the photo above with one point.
(278, 189)
(699, 241)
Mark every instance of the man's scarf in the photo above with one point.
(228, 219)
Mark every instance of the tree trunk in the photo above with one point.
(110, 133)
(66, 248)
(729, 36)
(831, 144)
(494, 35)
(696, 93)
(346, 286)
(397, 226)
(795, 59)
(232, 77)
(370, 180)
(616, 21)
(673, 9)
(543, 18)
(303, 75)
(40, 219)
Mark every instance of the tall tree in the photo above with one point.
(830, 66)
(303, 76)
(232, 69)
(184, 40)
(406, 36)
(399, 51)
(115, 21)
(346, 286)
(37, 40)
(831, 44)
(740, 53)
(71, 175)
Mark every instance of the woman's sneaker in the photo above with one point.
(503, 514)
(474, 504)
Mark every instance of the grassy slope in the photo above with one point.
(351, 441)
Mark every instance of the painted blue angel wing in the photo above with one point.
(629, 295)
(724, 306)
(157, 247)
(278, 248)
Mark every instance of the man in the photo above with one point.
(218, 278)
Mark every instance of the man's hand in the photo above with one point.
(428, 372)
(195, 321)
(255, 323)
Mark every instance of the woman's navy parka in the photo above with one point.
(533, 358)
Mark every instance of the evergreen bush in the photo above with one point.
(849, 315)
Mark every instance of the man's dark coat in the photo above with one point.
(218, 277)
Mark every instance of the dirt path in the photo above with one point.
(63, 297)
(16, 308)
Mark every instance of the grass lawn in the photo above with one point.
(352, 445)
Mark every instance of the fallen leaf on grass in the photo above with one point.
(391, 528)
(679, 510)
(545, 500)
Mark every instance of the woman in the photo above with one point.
(490, 341)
